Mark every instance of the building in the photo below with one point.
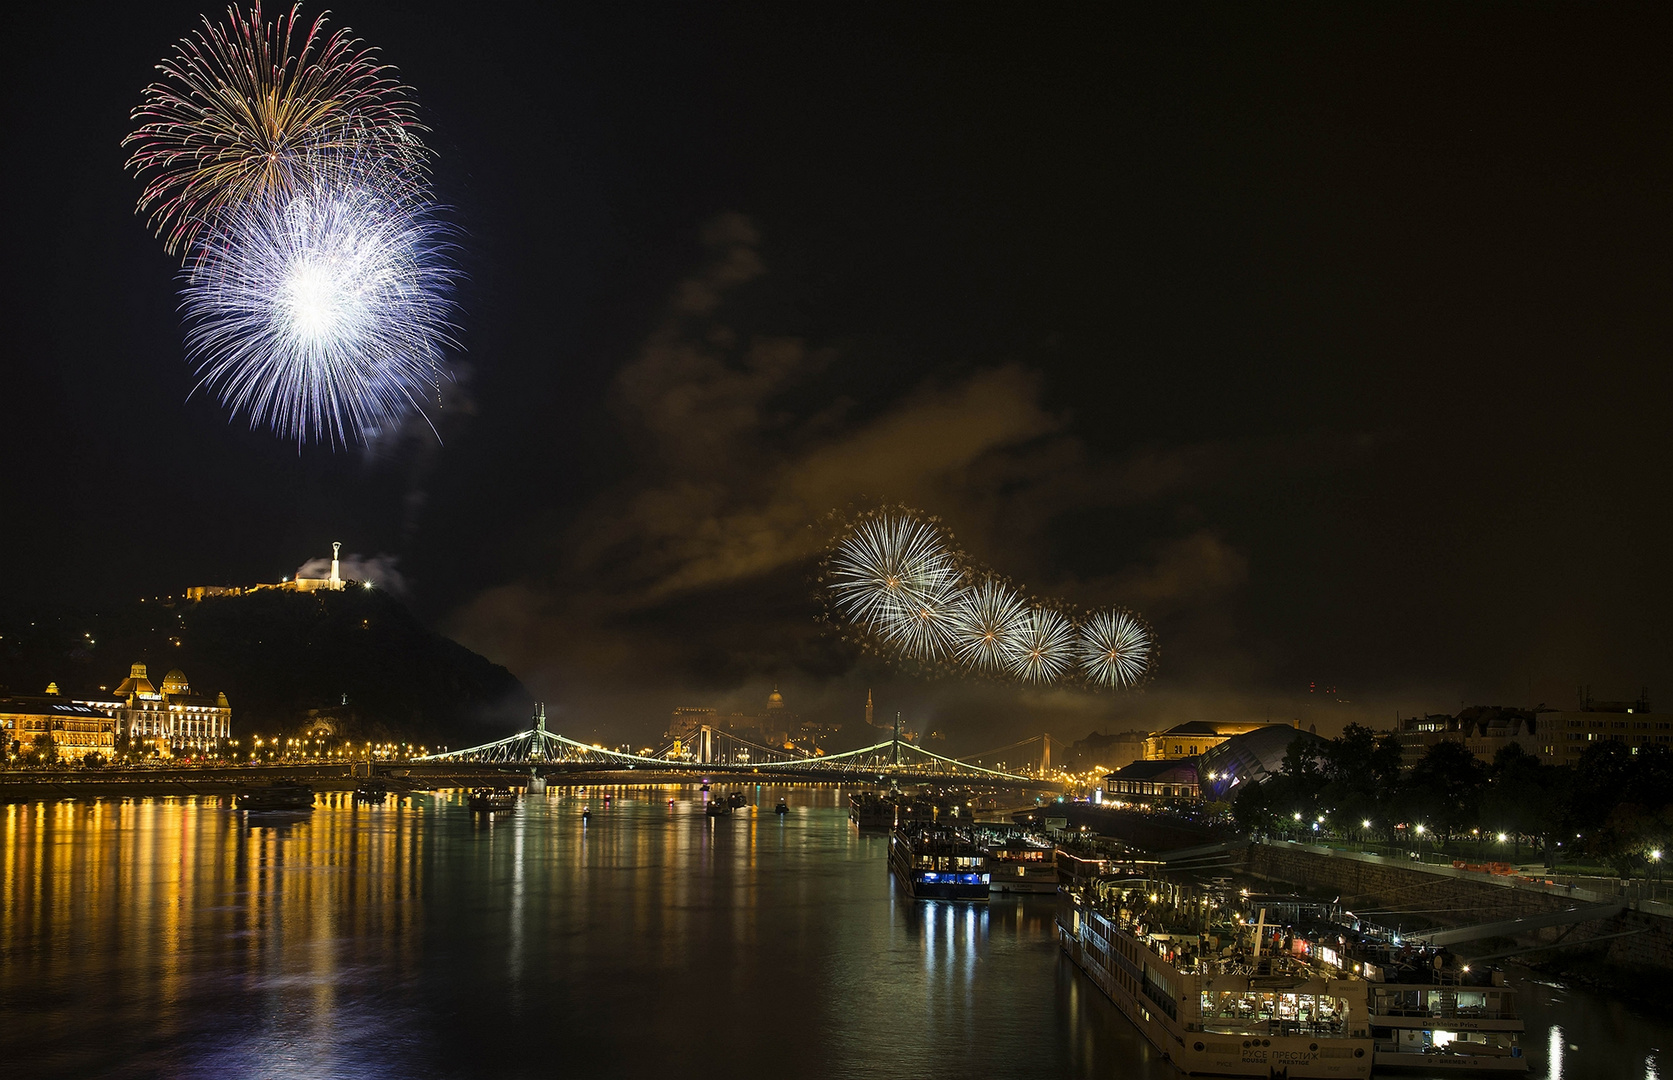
(687, 718)
(1483, 729)
(76, 728)
(1570, 734)
(1196, 737)
(168, 720)
(1226, 770)
(332, 583)
(1146, 782)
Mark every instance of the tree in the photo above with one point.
(1252, 810)
(1444, 788)
(1621, 804)
(1361, 773)
(1523, 797)
(46, 748)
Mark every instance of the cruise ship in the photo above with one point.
(1450, 1019)
(1190, 979)
(1022, 865)
(1428, 1009)
(938, 862)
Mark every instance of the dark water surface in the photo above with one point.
(172, 937)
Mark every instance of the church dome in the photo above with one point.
(175, 683)
(775, 700)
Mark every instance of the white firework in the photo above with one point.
(1043, 648)
(987, 621)
(1114, 648)
(322, 312)
(922, 627)
(893, 575)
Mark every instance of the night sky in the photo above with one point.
(1332, 338)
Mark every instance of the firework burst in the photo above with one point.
(988, 620)
(242, 108)
(1043, 648)
(894, 575)
(1115, 649)
(321, 312)
(895, 580)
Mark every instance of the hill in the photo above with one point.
(283, 659)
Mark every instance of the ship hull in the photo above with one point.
(1201, 1053)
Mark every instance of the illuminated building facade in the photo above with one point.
(169, 719)
(76, 728)
(1196, 737)
(1150, 781)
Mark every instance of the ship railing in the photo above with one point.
(1467, 1012)
(1219, 1025)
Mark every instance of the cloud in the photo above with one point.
(695, 568)
(1189, 570)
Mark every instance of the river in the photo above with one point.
(176, 938)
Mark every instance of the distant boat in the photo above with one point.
(736, 800)
(371, 791)
(492, 800)
(279, 795)
(782, 807)
(938, 863)
(717, 808)
(1023, 866)
(869, 810)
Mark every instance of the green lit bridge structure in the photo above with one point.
(707, 752)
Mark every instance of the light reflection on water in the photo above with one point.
(174, 937)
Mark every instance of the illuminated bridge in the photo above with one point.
(707, 751)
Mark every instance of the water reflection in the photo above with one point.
(413, 939)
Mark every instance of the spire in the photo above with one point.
(868, 707)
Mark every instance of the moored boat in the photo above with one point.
(869, 810)
(1428, 1009)
(1182, 972)
(936, 862)
(1022, 866)
(279, 795)
(492, 800)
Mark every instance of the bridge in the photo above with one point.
(707, 751)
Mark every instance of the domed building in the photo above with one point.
(171, 720)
